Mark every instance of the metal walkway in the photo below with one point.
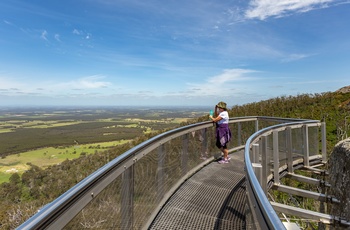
(128, 192)
(213, 198)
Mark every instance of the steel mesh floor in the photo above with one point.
(213, 198)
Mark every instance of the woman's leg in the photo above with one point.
(225, 151)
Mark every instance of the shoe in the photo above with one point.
(223, 162)
(228, 158)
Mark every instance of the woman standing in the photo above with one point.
(223, 132)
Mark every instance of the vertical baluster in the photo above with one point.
(184, 156)
(204, 142)
(324, 142)
(306, 145)
(276, 161)
(264, 162)
(127, 199)
(256, 162)
(289, 149)
(239, 136)
(160, 172)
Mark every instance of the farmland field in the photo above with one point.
(45, 157)
(48, 136)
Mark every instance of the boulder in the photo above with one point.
(339, 178)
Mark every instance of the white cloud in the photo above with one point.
(77, 32)
(7, 83)
(263, 9)
(57, 37)
(229, 75)
(85, 83)
(296, 57)
(44, 35)
(85, 35)
(8, 23)
(220, 84)
(91, 82)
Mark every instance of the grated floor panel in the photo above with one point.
(213, 198)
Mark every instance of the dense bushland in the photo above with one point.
(24, 195)
(331, 107)
(334, 109)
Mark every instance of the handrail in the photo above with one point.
(50, 212)
(268, 214)
(59, 212)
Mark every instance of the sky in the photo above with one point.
(170, 52)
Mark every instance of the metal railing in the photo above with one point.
(272, 151)
(128, 192)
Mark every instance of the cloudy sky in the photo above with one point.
(173, 52)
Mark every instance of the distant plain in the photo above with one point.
(49, 135)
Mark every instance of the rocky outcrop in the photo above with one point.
(345, 89)
(339, 178)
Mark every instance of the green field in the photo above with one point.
(45, 157)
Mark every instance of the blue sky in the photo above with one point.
(167, 52)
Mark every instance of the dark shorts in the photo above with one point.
(218, 144)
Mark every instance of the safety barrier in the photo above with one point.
(273, 153)
(128, 192)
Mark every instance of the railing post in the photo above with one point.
(184, 155)
(263, 151)
(256, 164)
(256, 125)
(255, 157)
(306, 145)
(324, 142)
(127, 198)
(276, 161)
(239, 136)
(160, 172)
(289, 149)
(204, 142)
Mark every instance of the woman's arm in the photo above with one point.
(216, 119)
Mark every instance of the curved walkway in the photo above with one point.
(213, 198)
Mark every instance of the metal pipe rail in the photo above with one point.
(264, 166)
(128, 192)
